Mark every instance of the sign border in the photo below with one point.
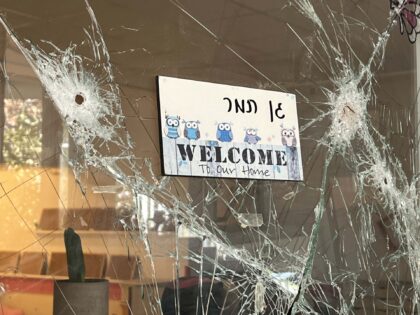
(162, 164)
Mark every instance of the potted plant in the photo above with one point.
(78, 295)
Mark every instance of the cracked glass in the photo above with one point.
(80, 151)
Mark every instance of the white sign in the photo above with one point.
(215, 130)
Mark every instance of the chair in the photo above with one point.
(121, 267)
(9, 261)
(34, 263)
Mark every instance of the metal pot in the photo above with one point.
(81, 298)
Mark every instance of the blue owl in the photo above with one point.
(251, 136)
(191, 130)
(172, 125)
(224, 132)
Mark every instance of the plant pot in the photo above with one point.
(81, 298)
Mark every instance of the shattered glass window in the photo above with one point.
(83, 197)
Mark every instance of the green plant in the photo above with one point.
(75, 260)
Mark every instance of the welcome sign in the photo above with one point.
(215, 130)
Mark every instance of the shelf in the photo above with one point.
(40, 278)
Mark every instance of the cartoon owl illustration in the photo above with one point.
(224, 132)
(191, 130)
(288, 137)
(172, 125)
(251, 136)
